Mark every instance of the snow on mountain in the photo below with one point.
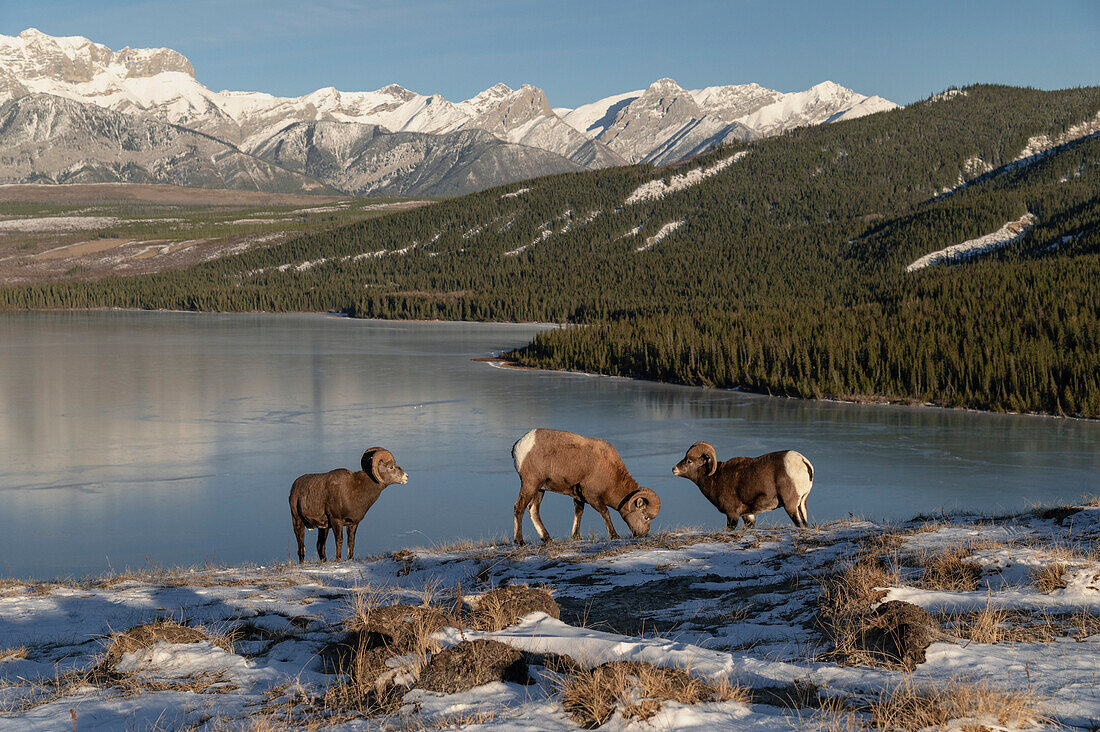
(665, 122)
(661, 123)
(734, 102)
(824, 102)
(593, 118)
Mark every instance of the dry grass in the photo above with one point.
(948, 570)
(141, 637)
(12, 654)
(502, 607)
(1049, 577)
(637, 690)
(911, 707)
(847, 596)
(996, 625)
(376, 632)
(103, 674)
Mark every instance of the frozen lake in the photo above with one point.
(129, 439)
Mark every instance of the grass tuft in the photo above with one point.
(912, 707)
(637, 689)
(1049, 577)
(949, 571)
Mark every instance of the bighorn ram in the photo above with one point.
(585, 468)
(743, 487)
(340, 498)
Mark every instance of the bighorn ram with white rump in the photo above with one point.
(340, 498)
(585, 468)
(743, 487)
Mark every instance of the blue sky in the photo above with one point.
(581, 51)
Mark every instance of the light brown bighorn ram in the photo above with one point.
(587, 469)
(743, 487)
(340, 498)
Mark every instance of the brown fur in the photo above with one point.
(587, 469)
(743, 487)
(340, 498)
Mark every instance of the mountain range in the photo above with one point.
(391, 140)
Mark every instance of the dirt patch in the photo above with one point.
(473, 663)
(639, 609)
(1060, 514)
(85, 247)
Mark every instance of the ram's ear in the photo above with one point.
(640, 502)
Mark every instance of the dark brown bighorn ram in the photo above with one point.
(340, 498)
(743, 487)
(587, 469)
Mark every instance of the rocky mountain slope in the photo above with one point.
(48, 139)
(660, 124)
(363, 159)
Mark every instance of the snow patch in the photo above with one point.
(945, 95)
(513, 194)
(660, 235)
(655, 190)
(1002, 237)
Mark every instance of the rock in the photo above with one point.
(897, 634)
(473, 663)
(503, 606)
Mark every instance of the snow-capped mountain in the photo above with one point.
(665, 122)
(659, 124)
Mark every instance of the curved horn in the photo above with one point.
(710, 453)
(372, 458)
(650, 496)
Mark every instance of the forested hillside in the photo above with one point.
(778, 266)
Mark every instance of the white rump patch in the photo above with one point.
(522, 447)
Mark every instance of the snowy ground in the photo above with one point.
(721, 606)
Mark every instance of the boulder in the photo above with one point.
(897, 633)
(473, 663)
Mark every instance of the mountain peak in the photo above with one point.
(665, 84)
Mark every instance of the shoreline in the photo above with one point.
(498, 360)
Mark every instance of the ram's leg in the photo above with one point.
(300, 536)
(802, 513)
(351, 539)
(611, 533)
(578, 509)
(536, 519)
(322, 537)
(750, 520)
(527, 493)
(338, 530)
(793, 513)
